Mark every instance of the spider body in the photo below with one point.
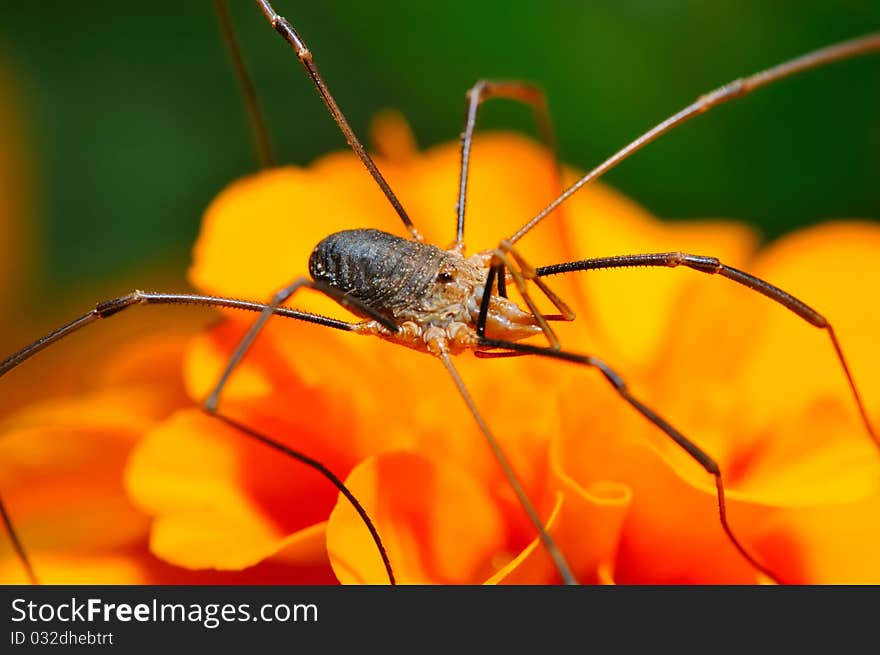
(432, 295)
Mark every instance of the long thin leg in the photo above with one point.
(281, 296)
(17, 546)
(327, 473)
(561, 564)
(281, 25)
(735, 89)
(686, 444)
(256, 119)
(111, 307)
(116, 305)
(712, 266)
(520, 91)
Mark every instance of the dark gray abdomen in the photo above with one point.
(388, 273)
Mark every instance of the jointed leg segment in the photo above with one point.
(327, 473)
(256, 118)
(519, 91)
(558, 558)
(712, 265)
(507, 258)
(284, 28)
(281, 296)
(114, 306)
(737, 88)
(686, 444)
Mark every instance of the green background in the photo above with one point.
(135, 123)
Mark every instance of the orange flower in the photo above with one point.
(758, 389)
(755, 387)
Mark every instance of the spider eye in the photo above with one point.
(445, 276)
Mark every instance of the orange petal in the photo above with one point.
(671, 532)
(586, 527)
(814, 458)
(722, 381)
(71, 569)
(221, 500)
(438, 524)
(258, 233)
(833, 544)
(533, 564)
(510, 180)
(360, 396)
(182, 468)
(809, 444)
(63, 458)
(61, 475)
(333, 387)
(632, 312)
(393, 137)
(595, 522)
(301, 560)
(353, 402)
(832, 268)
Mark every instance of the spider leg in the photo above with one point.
(713, 266)
(114, 306)
(694, 451)
(17, 545)
(500, 258)
(516, 90)
(281, 296)
(558, 558)
(256, 119)
(287, 32)
(737, 88)
(521, 271)
(327, 473)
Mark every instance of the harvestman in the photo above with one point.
(441, 302)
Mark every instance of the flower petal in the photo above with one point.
(631, 312)
(585, 525)
(438, 523)
(61, 472)
(671, 532)
(833, 268)
(258, 233)
(71, 569)
(220, 499)
(831, 544)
